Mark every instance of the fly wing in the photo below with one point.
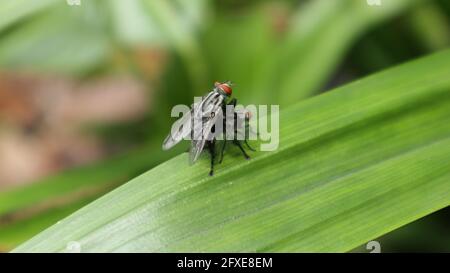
(181, 128)
(205, 117)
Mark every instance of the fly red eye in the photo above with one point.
(226, 88)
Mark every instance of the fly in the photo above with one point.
(200, 123)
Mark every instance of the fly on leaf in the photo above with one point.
(206, 120)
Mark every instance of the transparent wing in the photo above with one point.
(201, 135)
(205, 117)
(181, 128)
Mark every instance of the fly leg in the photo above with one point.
(233, 102)
(223, 149)
(238, 143)
(212, 151)
(248, 146)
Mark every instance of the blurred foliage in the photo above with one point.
(275, 52)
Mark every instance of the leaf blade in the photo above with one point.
(363, 143)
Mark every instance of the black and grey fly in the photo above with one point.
(200, 124)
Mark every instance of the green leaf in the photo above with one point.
(353, 164)
(431, 25)
(132, 25)
(26, 211)
(12, 11)
(17, 232)
(99, 175)
(63, 39)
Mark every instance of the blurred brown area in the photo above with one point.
(42, 120)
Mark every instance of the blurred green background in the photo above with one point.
(86, 90)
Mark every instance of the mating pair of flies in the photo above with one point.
(200, 124)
